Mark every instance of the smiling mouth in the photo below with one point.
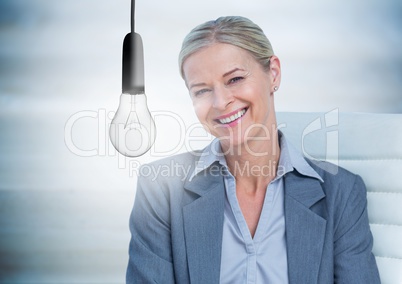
(233, 117)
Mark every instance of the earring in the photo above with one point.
(275, 88)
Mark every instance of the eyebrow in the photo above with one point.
(231, 72)
(224, 75)
(197, 85)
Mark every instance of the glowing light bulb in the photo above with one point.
(132, 131)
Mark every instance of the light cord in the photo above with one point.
(132, 16)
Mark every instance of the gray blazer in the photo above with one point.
(176, 226)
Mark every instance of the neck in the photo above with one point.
(255, 163)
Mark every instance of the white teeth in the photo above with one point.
(226, 120)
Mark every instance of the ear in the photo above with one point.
(275, 70)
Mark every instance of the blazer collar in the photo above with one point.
(305, 230)
(203, 224)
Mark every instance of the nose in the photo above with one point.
(222, 97)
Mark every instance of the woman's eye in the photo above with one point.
(235, 80)
(200, 92)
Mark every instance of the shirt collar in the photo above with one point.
(211, 154)
(289, 159)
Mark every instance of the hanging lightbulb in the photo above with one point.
(132, 131)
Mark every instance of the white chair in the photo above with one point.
(369, 145)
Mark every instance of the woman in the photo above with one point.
(248, 208)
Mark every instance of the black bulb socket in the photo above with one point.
(133, 65)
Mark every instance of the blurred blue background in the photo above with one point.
(65, 195)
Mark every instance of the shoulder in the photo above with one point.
(341, 187)
(186, 158)
(333, 174)
(176, 167)
(162, 182)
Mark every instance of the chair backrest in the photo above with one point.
(369, 145)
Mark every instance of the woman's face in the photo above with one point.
(231, 92)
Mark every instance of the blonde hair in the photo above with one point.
(234, 30)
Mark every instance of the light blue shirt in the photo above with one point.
(262, 259)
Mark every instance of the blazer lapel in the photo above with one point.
(203, 225)
(305, 230)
